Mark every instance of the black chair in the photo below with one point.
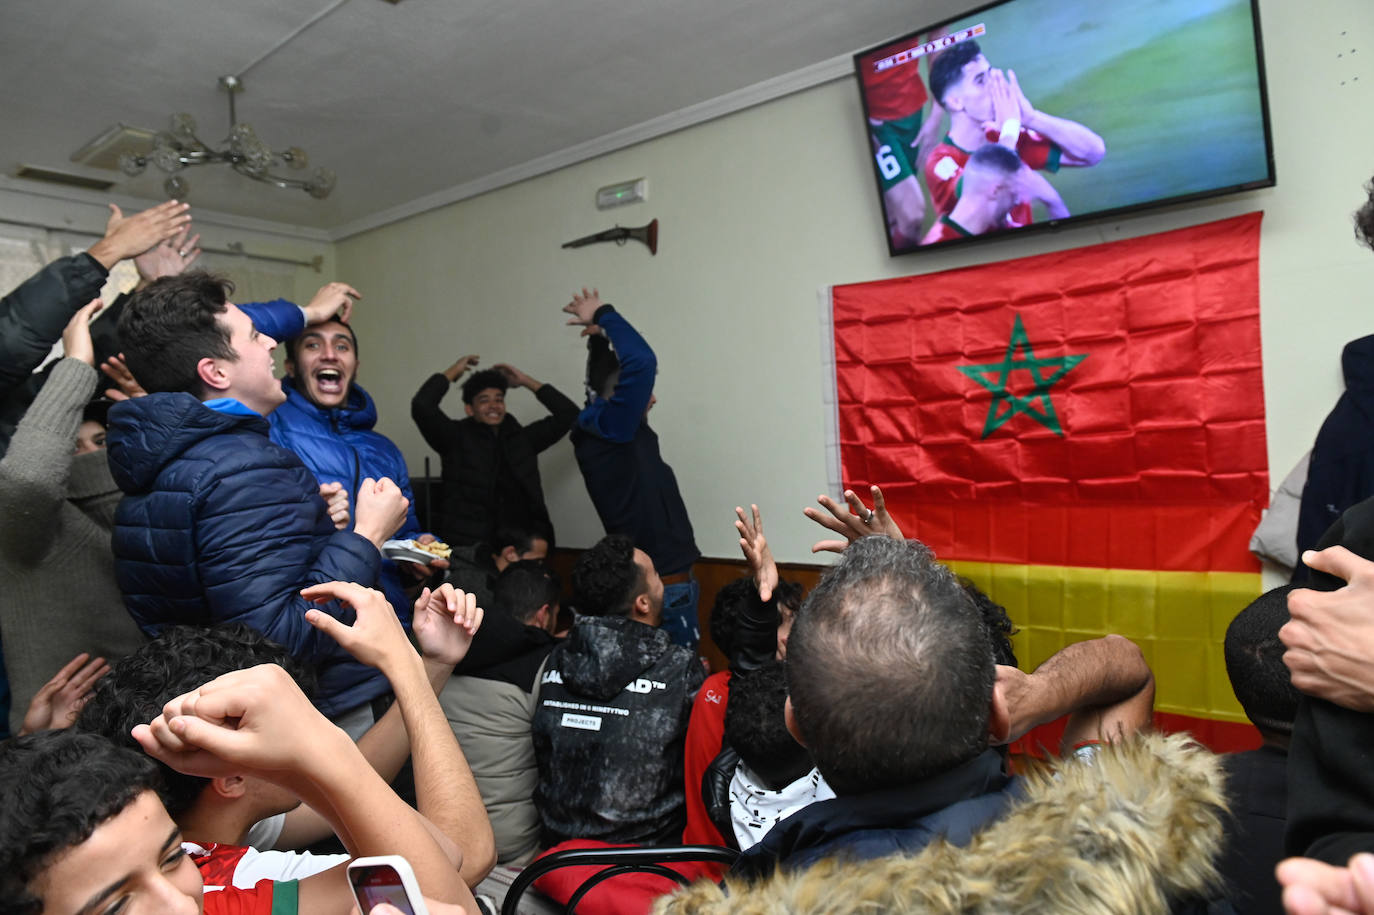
(645, 860)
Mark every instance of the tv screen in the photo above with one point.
(1029, 113)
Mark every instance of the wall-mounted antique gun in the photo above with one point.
(647, 234)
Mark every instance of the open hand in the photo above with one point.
(128, 236)
(854, 522)
(128, 386)
(756, 551)
(76, 337)
(583, 308)
(56, 704)
(169, 257)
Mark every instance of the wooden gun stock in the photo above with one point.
(647, 234)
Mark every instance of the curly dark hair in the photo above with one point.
(176, 662)
(521, 536)
(1364, 218)
(947, 69)
(56, 787)
(606, 580)
(756, 727)
(998, 623)
(166, 329)
(733, 599)
(479, 381)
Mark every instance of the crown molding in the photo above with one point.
(77, 210)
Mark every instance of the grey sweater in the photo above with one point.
(59, 596)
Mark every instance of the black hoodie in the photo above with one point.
(609, 732)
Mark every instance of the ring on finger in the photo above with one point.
(868, 518)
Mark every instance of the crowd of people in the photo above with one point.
(239, 661)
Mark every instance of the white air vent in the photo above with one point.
(70, 180)
(104, 150)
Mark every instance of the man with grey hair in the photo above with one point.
(894, 689)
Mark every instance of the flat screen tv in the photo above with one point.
(1024, 114)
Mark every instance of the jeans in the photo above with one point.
(680, 613)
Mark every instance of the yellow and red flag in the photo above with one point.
(1083, 435)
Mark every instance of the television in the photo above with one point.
(1024, 114)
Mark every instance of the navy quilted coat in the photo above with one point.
(219, 524)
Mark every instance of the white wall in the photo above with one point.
(761, 209)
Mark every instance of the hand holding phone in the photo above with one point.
(385, 879)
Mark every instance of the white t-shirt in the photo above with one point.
(754, 809)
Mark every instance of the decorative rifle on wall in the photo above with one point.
(647, 234)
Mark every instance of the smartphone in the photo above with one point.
(385, 878)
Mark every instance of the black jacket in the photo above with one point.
(473, 452)
(1341, 472)
(32, 318)
(954, 804)
(609, 733)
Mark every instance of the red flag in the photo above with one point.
(1095, 407)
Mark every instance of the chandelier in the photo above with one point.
(178, 147)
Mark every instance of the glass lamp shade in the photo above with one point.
(183, 127)
(176, 187)
(321, 184)
(167, 158)
(132, 165)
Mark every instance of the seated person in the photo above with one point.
(613, 707)
(328, 420)
(490, 707)
(893, 688)
(238, 819)
(490, 461)
(768, 776)
(84, 829)
(749, 632)
(218, 523)
(474, 568)
(1256, 780)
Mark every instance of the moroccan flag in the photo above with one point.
(1082, 434)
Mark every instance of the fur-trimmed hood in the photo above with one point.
(1135, 830)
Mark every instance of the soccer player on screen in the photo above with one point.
(988, 106)
(900, 129)
(994, 182)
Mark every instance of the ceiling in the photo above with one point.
(404, 102)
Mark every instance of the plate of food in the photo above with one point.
(415, 551)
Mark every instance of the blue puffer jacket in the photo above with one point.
(218, 524)
(340, 446)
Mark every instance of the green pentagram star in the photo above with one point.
(1002, 397)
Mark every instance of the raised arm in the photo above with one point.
(543, 433)
(258, 722)
(617, 417)
(1104, 685)
(434, 424)
(444, 623)
(35, 470)
(757, 639)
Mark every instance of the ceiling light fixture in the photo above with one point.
(178, 147)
